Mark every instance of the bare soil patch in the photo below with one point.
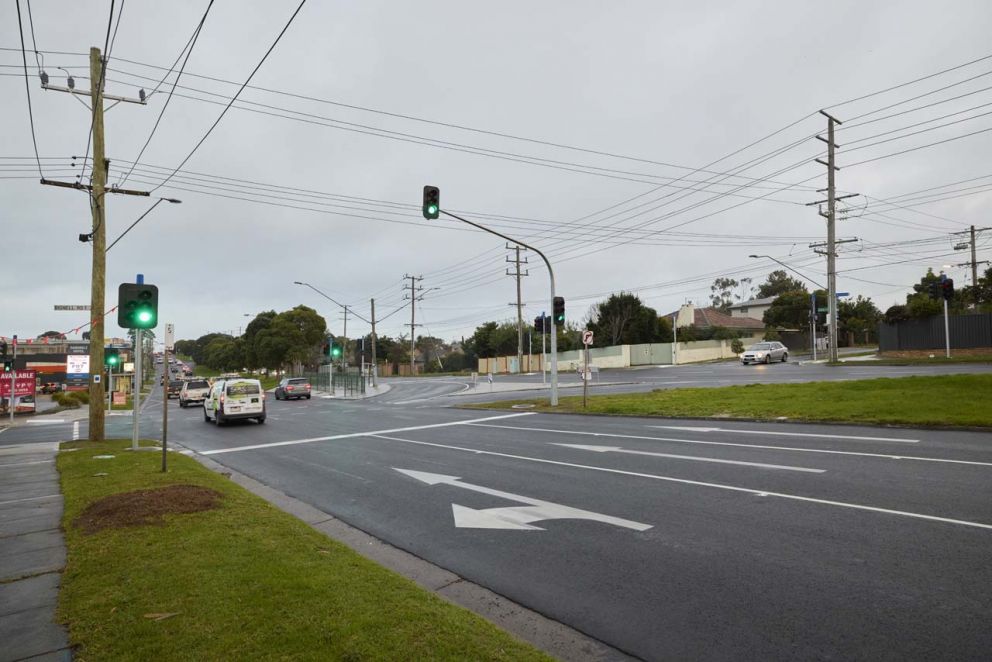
(143, 507)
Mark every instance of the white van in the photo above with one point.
(235, 398)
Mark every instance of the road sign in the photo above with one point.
(587, 337)
(58, 307)
(821, 310)
(515, 517)
(170, 336)
(843, 294)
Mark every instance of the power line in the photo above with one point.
(188, 49)
(226, 108)
(27, 89)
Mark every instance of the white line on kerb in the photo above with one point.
(75, 431)
(360, 434)
(686, 481)
(792, 449)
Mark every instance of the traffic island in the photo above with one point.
(189, 565)
(945, 401)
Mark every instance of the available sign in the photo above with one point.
(24, 383)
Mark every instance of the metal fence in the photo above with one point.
(351, 382)
(966, 331)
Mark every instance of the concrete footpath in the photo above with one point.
(32, 554)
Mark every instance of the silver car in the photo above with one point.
(765, 352)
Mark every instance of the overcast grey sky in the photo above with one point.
(682, 84)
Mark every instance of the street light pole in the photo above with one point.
(551, 275)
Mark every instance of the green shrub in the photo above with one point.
(66, 399)
(80, 397)
(737, 346)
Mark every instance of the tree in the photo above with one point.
(980, 293)
(261, 321)
(622, 319)
(859, 317)
(790, 310)
(919, 305)
(53, 335)
(779, 282)
(224, 353)
(896, 314)
(722, 293)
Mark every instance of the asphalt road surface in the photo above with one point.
(667, 539)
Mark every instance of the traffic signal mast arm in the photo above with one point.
(551, 274)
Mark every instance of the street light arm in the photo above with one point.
(791, 269)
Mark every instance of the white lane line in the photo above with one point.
(360, 434)
(49, 496)
(48, 421)
(698, 483)
(696, 458)
(75, 431)
(737, 445)
(776, 433)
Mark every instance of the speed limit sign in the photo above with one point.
(587, 338)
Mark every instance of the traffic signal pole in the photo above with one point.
(551, 275)
(947, 332)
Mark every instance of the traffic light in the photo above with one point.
(111, 357)
(335, 350)
(539, 324)
(432, 202)
(559, 311)
(8, 365)
(137, 306)
(947, 289)
(935, 289)
(3, 348)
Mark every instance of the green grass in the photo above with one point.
(947, 400)
(246, 581)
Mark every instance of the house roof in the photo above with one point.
(710, 317)
(767, 301)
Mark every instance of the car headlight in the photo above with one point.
(759, 354)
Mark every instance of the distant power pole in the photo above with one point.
(974, 254)
(412, 296)
(831, 217)
(516, 261)
(344, 333)
(375, 364)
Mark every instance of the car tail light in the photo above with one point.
(289, 388)
(308, 387)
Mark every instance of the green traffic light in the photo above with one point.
(432, 209)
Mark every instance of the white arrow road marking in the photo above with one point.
(353, 435)
(699, 483)
(776, 433)
(617, 449)
(792, 449)
(517, 517)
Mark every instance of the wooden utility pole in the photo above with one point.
(516, 261)
(98, 278)
(974, 260)
(375, 365)
(413, 319)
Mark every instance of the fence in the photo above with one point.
(967, 331)
(625, 356)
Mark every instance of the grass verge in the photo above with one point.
(240, 581)
(945, 400)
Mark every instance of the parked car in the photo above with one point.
(293, 387)
(50, 387)
(175, 385)
(765, 352)
(195, 390)
(231, 399)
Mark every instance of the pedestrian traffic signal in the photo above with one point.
(432, 202)
(947, 289)
(559, 311)
(137, 306)
(111, 357)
